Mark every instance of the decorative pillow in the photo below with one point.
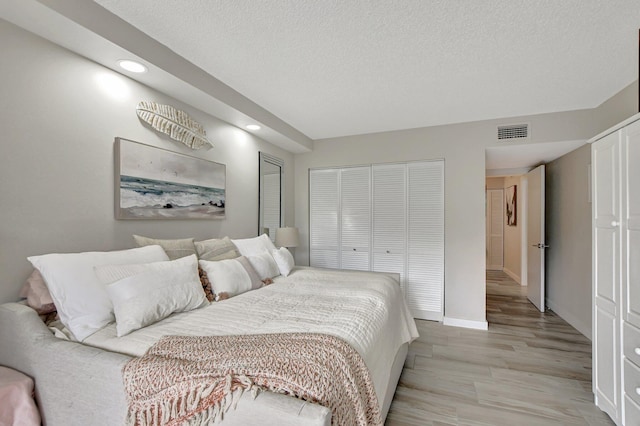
(253, 246)
(284, 260)
(264, 265)
(231, 276)
(175, 249)
(216, 249)
(82, 301)
(37, 294)
(146, 293)
(206, 285)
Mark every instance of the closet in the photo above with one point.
(615, 158)
(385, 218)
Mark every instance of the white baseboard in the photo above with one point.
(513, 276)
(457, 322)
(583, 328)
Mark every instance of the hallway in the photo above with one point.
(529, 368)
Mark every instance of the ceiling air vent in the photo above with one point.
(513, 132)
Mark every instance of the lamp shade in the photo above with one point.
(287, 237)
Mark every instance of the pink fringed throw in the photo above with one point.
(197, 379)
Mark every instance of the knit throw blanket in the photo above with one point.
(195, 380)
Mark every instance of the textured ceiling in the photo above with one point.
(333, 68)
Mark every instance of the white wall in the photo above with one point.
(57, 183)
(568, 274)
(494, 183)
(462, 146)
(57, 164)
(568, 234)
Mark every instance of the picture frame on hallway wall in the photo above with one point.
(154, 183)
(511, 197)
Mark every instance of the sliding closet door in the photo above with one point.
(389, 219)
(355, 223)
(324, 225)
(425, 239)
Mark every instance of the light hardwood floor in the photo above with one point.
(530, 368)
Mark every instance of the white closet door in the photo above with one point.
(631, 216)
(355, 201)
(605, 155)
(324, 220)
(389, 219)
(425, 239)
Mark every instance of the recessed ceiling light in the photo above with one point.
(132, 66)
(253, 127)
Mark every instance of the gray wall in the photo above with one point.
(462, 146)
(568, 234)
(568, 216)
(57, 164)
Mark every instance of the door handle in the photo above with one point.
(540, 245)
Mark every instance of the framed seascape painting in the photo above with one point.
(512, 205)
(153, 183)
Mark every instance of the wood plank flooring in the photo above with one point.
(529, 368)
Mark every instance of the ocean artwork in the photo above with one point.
(158, 184)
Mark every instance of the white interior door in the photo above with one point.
(535, 237)
(495, 229)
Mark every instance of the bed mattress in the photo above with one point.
(365, 309)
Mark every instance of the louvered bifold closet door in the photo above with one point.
(324, 220)
(389, 219)
(425, 239)
(355, 202)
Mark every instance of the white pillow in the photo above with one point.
(82, 301)
(264, 265)
(146, 293)
(231, 276)
(284, 260)
(253, 246)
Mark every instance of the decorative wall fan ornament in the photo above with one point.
(174, 123)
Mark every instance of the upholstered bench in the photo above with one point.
(17, 407)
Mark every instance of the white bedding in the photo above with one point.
(365, 309)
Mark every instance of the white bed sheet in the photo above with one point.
(365, 309)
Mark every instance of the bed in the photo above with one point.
(82, 383)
